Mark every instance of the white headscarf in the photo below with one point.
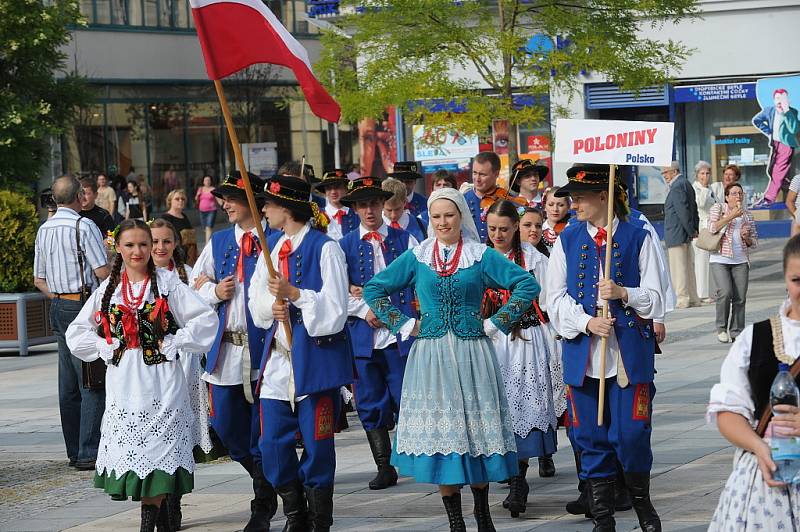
(468, 230)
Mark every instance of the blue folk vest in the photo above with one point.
(360, 269)
(419, 204)
(474, 204)
(323, 362)
(350, 221)
(634, 334)
(225, 250)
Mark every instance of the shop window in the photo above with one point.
(722, 132)
(167, 149)
(203, 134)
(84, 143)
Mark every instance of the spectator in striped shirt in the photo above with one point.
(57, 275)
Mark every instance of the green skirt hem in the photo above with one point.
(157, 483)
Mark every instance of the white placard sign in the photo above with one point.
(614, 142)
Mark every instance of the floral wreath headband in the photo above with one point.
(521, 211)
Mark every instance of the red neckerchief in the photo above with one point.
(249, 247)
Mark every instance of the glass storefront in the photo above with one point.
(722, 133)
(167, 142)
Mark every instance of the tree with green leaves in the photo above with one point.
(37, 95)
(477, 53)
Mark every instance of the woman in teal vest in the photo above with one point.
(454, 426)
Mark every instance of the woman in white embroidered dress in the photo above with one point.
(137, 321)
(168, 253)
(752, 500)
(534, 382)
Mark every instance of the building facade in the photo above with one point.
(155, 114)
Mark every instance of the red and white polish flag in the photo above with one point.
(235, 34)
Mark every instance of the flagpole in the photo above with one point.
(248, 189)
(601, 392)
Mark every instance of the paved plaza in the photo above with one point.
(39, 492)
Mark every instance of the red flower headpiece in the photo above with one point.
(275, 187)
(240, 183)
(367, 182)
(580, 175)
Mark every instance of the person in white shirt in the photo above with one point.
(342, 219)
(308, 356)
(576, 289)
(380, 356)
(222, 276)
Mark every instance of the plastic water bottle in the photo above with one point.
(785, 449)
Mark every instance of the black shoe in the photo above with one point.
(639, 488)
(320, 508)
(381, 447)
(176, 515)
(265, 503)
(481, 510)
(149, 517)
(601, 501)
(581, 504)
(546, 466)
(84, 465)
(452, 505)
(72, 462)
(165, 517)
(294, 507)
(517, 500)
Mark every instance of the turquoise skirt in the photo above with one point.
(454, 425)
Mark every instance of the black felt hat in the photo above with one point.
(233, 186)
(406, 170)
(524, 168)
(365, 189)
(585, 177)
(289, 192)
(334, 177)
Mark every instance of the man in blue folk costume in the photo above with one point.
(224, 270)
(301, 375)
(380, 356)
(342, 218)
(408, 173)
(576, 290)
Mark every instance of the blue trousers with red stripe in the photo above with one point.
(625, 433)
(235, 420)
(377, 390)
(315, 417)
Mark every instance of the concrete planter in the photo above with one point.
(24, 321)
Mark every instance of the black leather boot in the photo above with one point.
(165, 520)
(294, 507)
(639, 488)
(546, 466)
(601, 497)
(581, 504)
(176, 515)
(518, 490)
(149, 518)
(481, 510)
(265, 503)
(381, 447)
(320, 508)
(622, 500)
(452, 505)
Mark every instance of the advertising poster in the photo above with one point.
(778, 121)
(378, 142)
(431, 144)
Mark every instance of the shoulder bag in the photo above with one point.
(93, 373)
